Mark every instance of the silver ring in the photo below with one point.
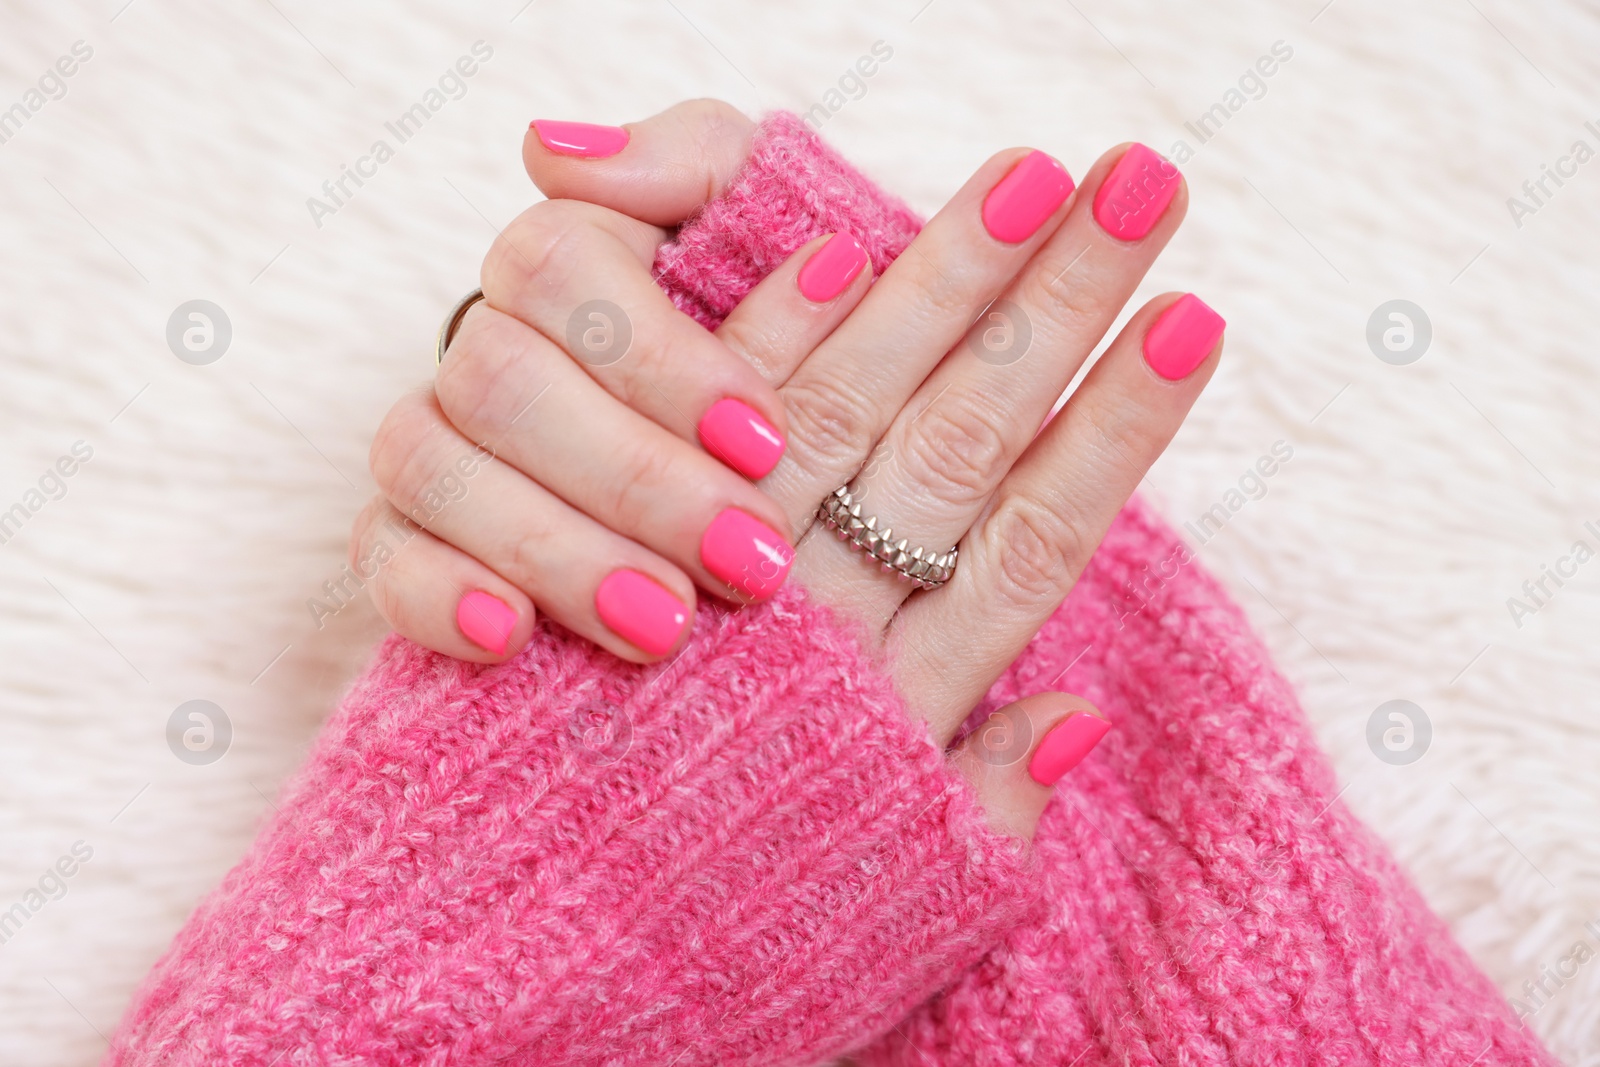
(841, 513)
(448, 330)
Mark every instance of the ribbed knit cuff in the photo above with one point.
(793, 188)
(1209, 898)
(749, 856)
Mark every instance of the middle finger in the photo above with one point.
(507, 387)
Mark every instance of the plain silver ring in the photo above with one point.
(448, 330)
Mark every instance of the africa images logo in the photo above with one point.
(452, 85)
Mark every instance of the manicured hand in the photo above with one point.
(587, 451)
(925, 390)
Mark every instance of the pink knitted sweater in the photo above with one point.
(752, 856)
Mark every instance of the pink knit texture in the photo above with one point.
(762, 861)
(792, 188)
(1210, 901)
(751, 856)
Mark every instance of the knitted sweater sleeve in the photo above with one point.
(1208, 897)
(751, 855)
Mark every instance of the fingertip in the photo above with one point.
(1015, 757)
(580, 140)
(832, 267)
(1067, 742)
(743, 437)
(1185, 333)
(794, 308)
(568, 159)
(434, 594)
(649, 614)
(660, 170)
(486, 621)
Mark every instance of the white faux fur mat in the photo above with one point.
(165, 523)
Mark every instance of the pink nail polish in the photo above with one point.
(831, 268)
(746, 554)
(486, 621)
(640, 611)
(735, 433)
(1182, 337)
(580, 138)
(1064, 747)
(1021, 201)
(1136, 192)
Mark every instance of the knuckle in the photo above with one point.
(936, 287)
(527, 564)
(638, 379)
(361, 529)
(830, 424)
(398, 444)
(712, 115)
(1063, 297)
(634, 495)
(474, 383)
(1037, 551)
(407, 458)
(712, 126)
(755, 338)
(531, 248)
(958, 449)
(1130, 435)
(711, 107)
(388, 597)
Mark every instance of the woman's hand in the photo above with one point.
(931, 413)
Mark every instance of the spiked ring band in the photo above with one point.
(841, 512)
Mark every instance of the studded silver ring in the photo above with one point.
(841, 513)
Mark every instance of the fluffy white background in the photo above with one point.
(1376, 166)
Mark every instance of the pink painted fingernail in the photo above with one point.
(641, 611)
(735, 433)
(1064, 747)
(1021, 201)
(747, 555)
(487, 621)
(580, 138)
(1182, 337)
(832, 268)
(1135, 193)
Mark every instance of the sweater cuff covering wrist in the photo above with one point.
(751, 855)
